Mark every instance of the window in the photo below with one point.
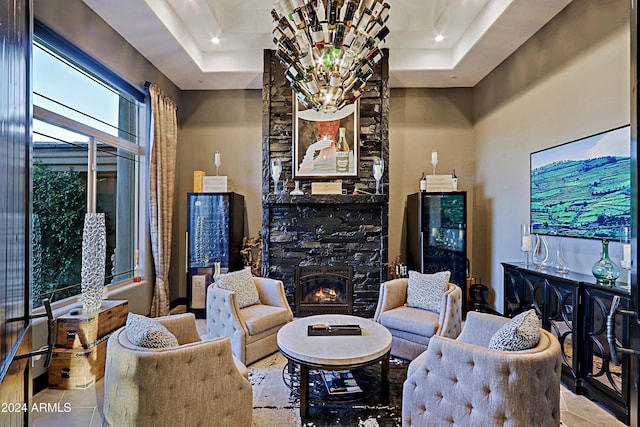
(86, 158)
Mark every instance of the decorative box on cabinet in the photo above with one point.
(215, 230)
(437, 235)
(574, 309)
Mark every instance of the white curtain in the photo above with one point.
(161, 175)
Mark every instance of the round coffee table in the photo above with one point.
(335, 352)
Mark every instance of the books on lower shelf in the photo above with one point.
(340, 382)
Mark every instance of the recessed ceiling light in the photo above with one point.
(215, 40)
(439, 38)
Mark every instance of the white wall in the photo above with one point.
(229, 121)
(422, 120)
(571, 80)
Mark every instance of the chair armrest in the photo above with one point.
(480, 327)
(223, 314)
(183, 326)
(271, 292)
(450, 320)
(392, 294)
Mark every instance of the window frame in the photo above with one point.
(139, 149)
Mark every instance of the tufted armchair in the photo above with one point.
(462, 382)
(252, 329)
(191, 384)
(412, 328)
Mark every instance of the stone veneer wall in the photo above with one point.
(326, 229)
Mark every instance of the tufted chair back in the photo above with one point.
(461, 382)
(192, 384)
(253, 329)
(412, 328)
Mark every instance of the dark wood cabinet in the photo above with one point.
(575, 310)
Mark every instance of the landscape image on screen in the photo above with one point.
(583, 188)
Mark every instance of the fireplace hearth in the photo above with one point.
(322, 290)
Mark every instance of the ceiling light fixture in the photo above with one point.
(215, 40)
(329, 47)
(439, 38)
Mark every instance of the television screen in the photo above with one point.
(583, 188)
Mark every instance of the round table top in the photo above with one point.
(334, 350)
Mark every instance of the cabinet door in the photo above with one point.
(562, 314)
(604, 381)
(209, 230)
(514, 296)
(534, 287)
(444, 240)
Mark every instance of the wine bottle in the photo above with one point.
(454, 181)
(349, 13)
(318, 37)
(423, 183)
(298, 14)
(342, 152)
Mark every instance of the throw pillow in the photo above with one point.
(241, 282)
(146, 332)
(425, 291)
(520, 333)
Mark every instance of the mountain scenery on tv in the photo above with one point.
(583, 188)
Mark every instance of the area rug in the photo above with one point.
(275, 404)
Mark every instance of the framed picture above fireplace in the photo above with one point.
(325, 145)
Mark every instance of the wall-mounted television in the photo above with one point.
(583, 188)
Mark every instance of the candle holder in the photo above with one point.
(276, 170)
(526, 243)
(378, 170)
(217, 161)
(434, 161)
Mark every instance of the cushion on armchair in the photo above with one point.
(520, 333)
(146, 332)
(241, 282)
(425, 291)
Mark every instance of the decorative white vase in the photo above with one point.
(94, 253)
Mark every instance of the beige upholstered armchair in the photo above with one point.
(412, 328)
(462, 382)
(252, 329)
(191, 384)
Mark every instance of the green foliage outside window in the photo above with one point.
(59, 207)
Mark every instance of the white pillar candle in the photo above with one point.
(527, 243)
(434, 157)
(217, 157)
(626, 252)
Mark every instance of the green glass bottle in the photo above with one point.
(605, 270)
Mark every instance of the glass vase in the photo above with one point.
(541, 253)
(605, 270)
(559, 264)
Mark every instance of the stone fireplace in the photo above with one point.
(340, 231)
(337, 230)
(321, 290)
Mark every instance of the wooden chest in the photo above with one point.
(85, 329)
(77, 368)
(81, 345)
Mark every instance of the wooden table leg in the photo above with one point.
(385, 380)
(304, 390)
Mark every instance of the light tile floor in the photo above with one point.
(86, 409)
(83, 408)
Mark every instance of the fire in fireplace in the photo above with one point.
(321, 290)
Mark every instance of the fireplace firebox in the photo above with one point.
(323, 290)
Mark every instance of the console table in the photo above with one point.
(574, 308)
